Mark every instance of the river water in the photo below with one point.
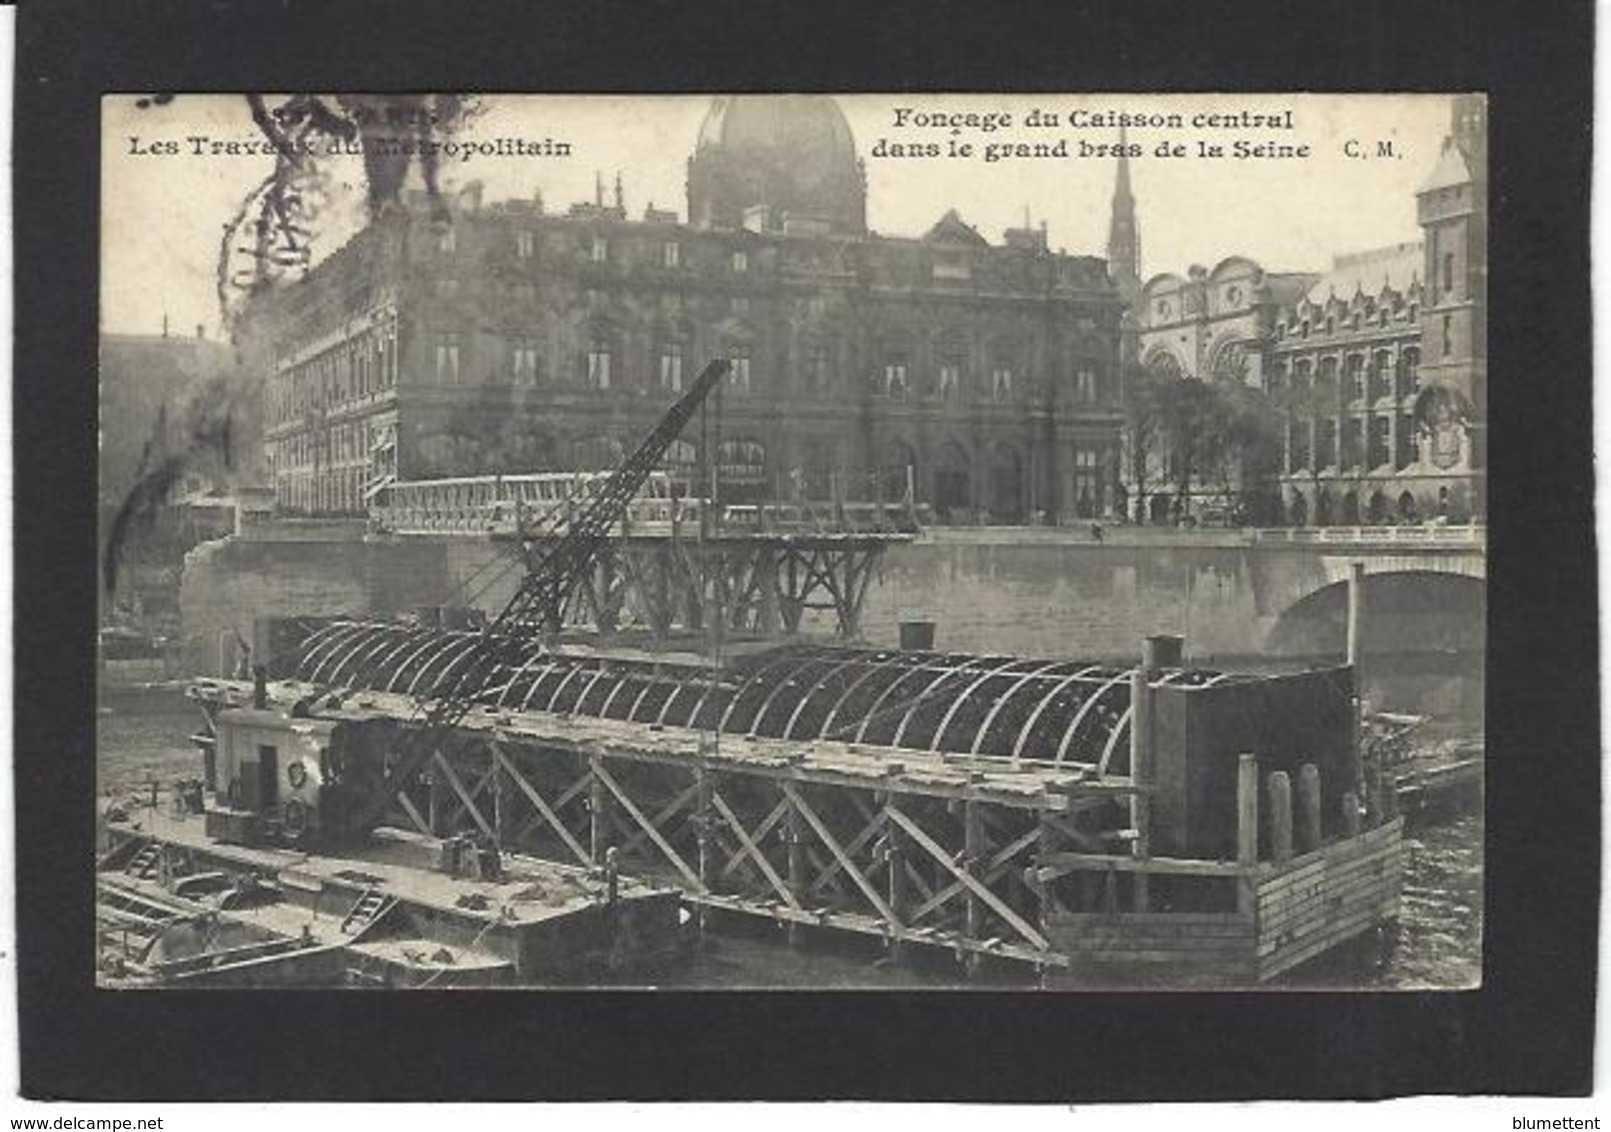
(142, 736)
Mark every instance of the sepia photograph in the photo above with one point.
(1010, 542)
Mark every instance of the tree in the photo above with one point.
(1143, 394)
(1194, 431)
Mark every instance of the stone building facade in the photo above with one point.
(516, 339)
(1376, 368)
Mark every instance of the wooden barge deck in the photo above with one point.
(387, 914)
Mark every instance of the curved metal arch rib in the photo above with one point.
(1122, 726)
(995, 709)
(876, 708)
(1040, 709)
(363, 657)
(962, 697)
(1085, 710)
(338, 635)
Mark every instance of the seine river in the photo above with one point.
(142, 736)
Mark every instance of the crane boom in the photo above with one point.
(538, 604)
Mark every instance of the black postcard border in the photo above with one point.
(1528, 1030)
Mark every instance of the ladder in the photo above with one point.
(144, 864)
(366, 911)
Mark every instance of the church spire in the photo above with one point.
(1124, 238)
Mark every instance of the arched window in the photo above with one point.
(741, 461)
(953, 483)
(1377, 510)
(1007, 504)
(897, 469)
(1298, 512)
(1408, 511)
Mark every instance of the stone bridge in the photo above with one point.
(1231, 594)
(1238, 597)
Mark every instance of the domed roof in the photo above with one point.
(809, 127)
(793, 153)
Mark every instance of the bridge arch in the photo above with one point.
(1424, 634)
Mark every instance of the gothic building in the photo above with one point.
(984, 375)
(1376, 369)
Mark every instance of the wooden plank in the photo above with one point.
(754, 850)
(1331, 894)
(1320, 911)
(671, 809)
(1270, 966)
(1154, 932)
(839, 854)
(541, 806)
(777, 813)
(413, 813)
(995, 903)
(1053, 865)
(997, 862)
(1336, 851)
(465, 797)
(1154, 919)
(1390, 873)
(636, 814)
(1321, 920)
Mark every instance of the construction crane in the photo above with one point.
(537, 607)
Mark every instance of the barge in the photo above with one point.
(1156, 825)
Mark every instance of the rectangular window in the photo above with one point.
(1353, 431)
(895, 379)
(671, 254)
(671, 367)
(1001, 383)
(950, 380)
(523, 361)
(1404, 454)
(600, 250)
(598, 368)
(1085, 386)
(1325, 442)
(817, 368)
(1380, 443)
(447, 359)
(525, 244)
(739, 379)
(741, 262)
(1355, 376)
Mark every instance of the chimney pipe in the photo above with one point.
(260, 686)
(1163, 650)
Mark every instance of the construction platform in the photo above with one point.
(1098, 823)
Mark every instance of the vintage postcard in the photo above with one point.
(792, 541)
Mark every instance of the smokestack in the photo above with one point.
(260, 686)
(1163, 650)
